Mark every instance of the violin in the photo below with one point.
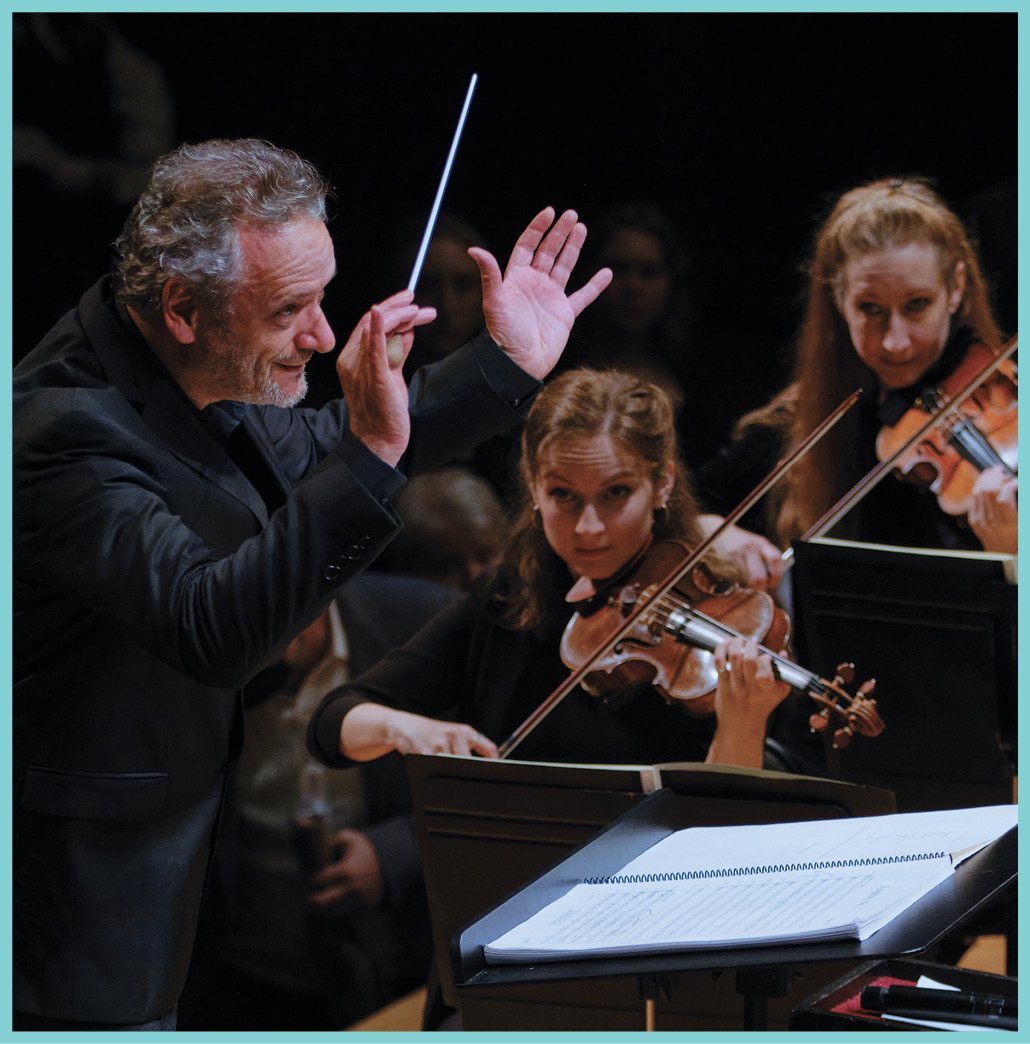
(981, 432)
(943, 418)
(671, 642)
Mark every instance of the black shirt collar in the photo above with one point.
(220, 418)
(895, 403)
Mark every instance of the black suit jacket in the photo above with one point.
(150, 582)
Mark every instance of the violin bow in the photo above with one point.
(577, 675)
(874, 477)
(395, 344)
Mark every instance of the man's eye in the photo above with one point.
(288, 312)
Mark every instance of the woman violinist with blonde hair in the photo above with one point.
(896, 299)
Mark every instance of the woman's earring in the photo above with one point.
(660, 513)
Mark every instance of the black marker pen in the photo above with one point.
(918, 1002)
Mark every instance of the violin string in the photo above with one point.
(829, 694)
(973, 445)
(667, 603)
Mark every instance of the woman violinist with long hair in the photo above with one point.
(600, 480)
(896, 301)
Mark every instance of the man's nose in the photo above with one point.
(318, 336)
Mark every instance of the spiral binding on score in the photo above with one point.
(749, 871)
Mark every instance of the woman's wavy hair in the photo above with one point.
(578, 404)
(873, 217)
(185, 223)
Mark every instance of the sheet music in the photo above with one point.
(903, 835)
(706, 887)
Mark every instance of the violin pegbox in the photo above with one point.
(859, 711)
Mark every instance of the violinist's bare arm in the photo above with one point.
(371, 730)
(747, 693)
(759, 558)
(994, 512)
(527, 311)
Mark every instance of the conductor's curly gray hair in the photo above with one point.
(184, 225)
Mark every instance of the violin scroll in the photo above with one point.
(859, 711)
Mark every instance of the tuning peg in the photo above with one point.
(845, 674)
(819, 721)
(842, 737)
(864, 712)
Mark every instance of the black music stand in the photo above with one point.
(974, 883)
(485, 827)
(938, 632)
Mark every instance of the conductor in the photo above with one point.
(177, 523)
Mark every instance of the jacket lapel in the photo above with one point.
(136, 371)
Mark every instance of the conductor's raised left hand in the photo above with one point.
(527, 311)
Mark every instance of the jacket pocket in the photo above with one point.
(94, 795)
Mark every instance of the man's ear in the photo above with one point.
(179, 309)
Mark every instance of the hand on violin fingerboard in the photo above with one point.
(994, 511)
(527, 311)
(748, 691)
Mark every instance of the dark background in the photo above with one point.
(742, 127)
